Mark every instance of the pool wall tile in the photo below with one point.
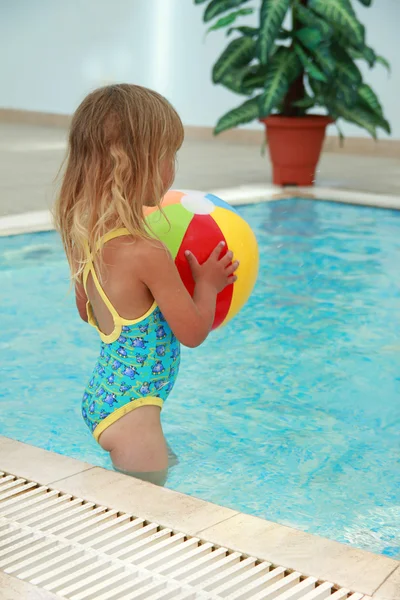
(144, 500)
(36, 464)
(236, 196)
(390, 589)
(313, 555)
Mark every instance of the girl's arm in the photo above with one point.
(190, 318)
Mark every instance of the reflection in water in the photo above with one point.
(298, 218)
(17, 258)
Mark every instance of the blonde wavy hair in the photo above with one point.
(122, 142)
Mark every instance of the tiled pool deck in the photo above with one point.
(373, 575)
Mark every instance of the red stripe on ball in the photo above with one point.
(201, 237)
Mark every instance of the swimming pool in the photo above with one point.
(290, 413)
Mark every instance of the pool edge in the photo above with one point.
(343, 565)
(40, 221)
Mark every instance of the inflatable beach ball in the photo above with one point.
(198, 222)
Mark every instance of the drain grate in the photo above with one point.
(82, 551)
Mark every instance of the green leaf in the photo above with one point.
(229, 19)
(377, 120)
(237, 54)
(341, 14)
(359, 116)
(346, 68)
(319, 90)
(200, 1)
(310, 37)
(272, 14)
(284, 34)
(347, 73)
(343, 91)
(366, 2)
(310, 67)
(246, 112)
(310, 19)
(338, 89)
(385, 125)
(382, 61)
(325, 60)
(306, 103)
(245, 80)
(363, 53)
(371, 101)
(244, 30)
(254, 78)
(340, 134)
(368, 96)
(264, 145)
(283, 68)
(233, 80)
(217, 7)
(369, 55)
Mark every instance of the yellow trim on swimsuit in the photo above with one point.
(124, 410)
(118, 321)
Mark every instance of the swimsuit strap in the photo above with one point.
(89, 269)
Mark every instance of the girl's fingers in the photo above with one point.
(227, 259)
(192, 260)
(232, 279)
(216, 253)
(232, 268)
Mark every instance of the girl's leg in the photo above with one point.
(173, 460)
(155, 477)
(137, 445)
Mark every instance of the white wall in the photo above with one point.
(52, 52)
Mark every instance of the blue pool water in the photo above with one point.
(291, 412)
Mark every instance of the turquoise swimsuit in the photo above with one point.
(138, 362)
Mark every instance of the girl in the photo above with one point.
(121, 157)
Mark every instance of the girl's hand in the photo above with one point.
(190, 318)
(216, 272)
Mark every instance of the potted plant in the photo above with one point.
(302, 55)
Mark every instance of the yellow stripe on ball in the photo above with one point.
(242, 241)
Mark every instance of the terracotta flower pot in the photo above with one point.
(295, 145)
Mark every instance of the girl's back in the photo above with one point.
(121, 283)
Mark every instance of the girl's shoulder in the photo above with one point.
(133, 253)
(129, 245)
